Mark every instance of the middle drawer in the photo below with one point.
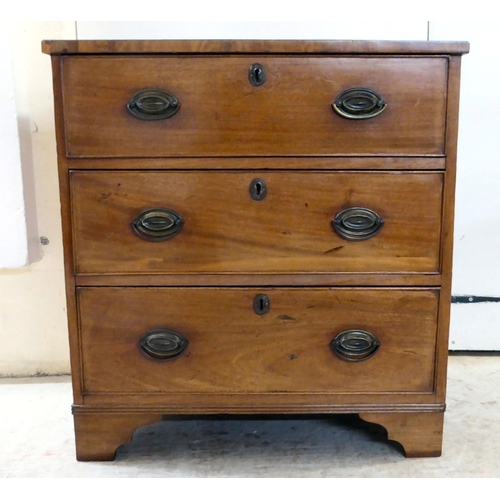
(128, 222)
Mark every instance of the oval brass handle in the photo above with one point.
(162, 344)
(157, 224)
(153, 104)
(357, 223)
(355, 345)
(359, 104)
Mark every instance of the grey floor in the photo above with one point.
(36, 438)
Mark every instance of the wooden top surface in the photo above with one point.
(251, 46)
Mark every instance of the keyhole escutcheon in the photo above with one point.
(258, 189)
(257, 75)
(261, 304)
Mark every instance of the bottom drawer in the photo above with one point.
(241, 340)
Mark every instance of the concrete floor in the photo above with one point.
(36, 438)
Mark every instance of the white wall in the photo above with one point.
(476, 265)
(264, 30)
(33, 327)
(13, 230)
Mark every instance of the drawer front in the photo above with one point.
(306, 223)
(222, 114)
(231, 349)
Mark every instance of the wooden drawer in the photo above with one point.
(226, 231)
(231, 349)
(222, 114)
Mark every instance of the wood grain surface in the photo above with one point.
(232, 349)
(222, 114)
(259, 163)
(252, 46)
(420, 434)
(99, 435)
(225, 230)
(260, 279)
(448, 226)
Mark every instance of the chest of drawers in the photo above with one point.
(257, 227)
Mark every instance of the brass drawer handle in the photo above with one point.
(355, 345)
(157, 224)
(153, 104)
(162, 345)
(357, 224)
(359, 104)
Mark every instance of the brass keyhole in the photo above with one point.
(257, 75)
(261, 304)
(258, 189)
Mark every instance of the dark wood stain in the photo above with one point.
(285, 317)
(334, 249)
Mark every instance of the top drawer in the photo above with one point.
(222, 114)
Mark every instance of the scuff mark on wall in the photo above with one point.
(471, 299)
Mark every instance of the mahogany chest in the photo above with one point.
(257, 227)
